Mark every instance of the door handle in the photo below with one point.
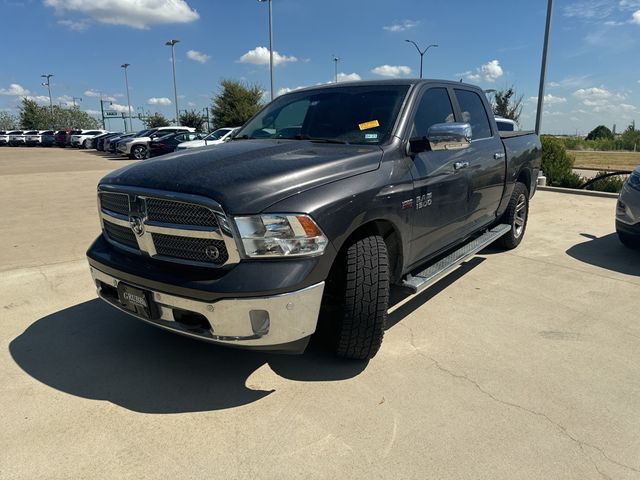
(460, 165)
(498, 156)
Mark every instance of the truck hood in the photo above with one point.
(247, 176)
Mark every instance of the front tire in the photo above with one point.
(360, 321)
(84, 145)
(516, 215)
(629, 241)
(139, 152)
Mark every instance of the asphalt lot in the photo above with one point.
(519, 365)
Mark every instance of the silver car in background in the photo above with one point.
(628, 211)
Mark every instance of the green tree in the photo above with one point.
(193, 119)
(156, 120)
(557, 164)
(600, 132)
(235, 104)
(631, 138)
(39, 117)
(507, 104)
(8, 121)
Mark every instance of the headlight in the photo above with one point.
(634, 180)
(280, 235)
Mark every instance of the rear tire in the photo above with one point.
(360, 321)
(516, 215)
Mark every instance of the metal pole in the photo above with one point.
(126, 82)
(104, 127)
(172, 44)
(335, 71)
(271, 48)
(543, 67)
(421, 58)
(48, 84)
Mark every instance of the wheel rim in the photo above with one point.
(138, 153)
(520, 216)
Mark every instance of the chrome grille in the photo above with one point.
(191, 231)
(120, 234)
(194, 249)
(179, 213)
(115, 202)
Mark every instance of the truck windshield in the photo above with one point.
(350, 114)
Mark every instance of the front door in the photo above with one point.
(441, 191)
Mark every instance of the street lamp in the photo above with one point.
(126, 83)
(421, 52)
(48, 85)
(335, 70)
(172, 44)
(270, 44)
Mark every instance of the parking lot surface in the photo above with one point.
(518, 365)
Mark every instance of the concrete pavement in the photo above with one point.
(519, 365)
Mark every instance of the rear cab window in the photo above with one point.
(474, 113)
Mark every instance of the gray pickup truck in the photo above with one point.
(324, 201)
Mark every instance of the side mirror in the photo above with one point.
(449, 136)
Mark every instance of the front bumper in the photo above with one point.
(125, 149)
(266, 322)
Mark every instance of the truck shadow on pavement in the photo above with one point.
(607, 252)
(93, 351)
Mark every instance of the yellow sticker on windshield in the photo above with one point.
(368, 125)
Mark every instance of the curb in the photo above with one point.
(575, 191)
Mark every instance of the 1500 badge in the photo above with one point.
(423, 201)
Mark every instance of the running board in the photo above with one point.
(435, 272)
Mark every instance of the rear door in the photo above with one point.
(441, 191)
(485, 157)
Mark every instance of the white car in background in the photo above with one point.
(507, 125)
(137, 147)
(80, 140)
(4, 137)
(39, 138)
(16, 137)
(216, 137)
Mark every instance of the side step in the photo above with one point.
(435, 272)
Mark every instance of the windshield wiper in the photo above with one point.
(243, 137)
(319, 139)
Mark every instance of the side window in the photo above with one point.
(435, 107)
(473, 112)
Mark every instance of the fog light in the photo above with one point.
(259, 322)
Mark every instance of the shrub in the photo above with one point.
(611, 184)
(571, 180)
(557, 164)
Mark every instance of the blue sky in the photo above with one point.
(593, 74)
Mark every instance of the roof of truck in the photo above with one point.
(396, 81)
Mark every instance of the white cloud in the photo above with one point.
(590, 9)
(348, 77)
(635, 18)
(197, 56)
(75, 25)
(392, 70)
(15, 89)
(191, 104)
(401, 26)
(94, 93)
(93, 112)
(601, 100)
(550, 99)
(120, 108)
(489, 72)
(132, 13)
(39, 99)
(260, 56)
(284, 90)
(164, 101)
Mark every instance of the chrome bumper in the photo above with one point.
(246, 322)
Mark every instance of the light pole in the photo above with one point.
(74, 100)
(102, 111)
(543, 67)
(421, 52)
(126, 83)
(172, 44)
(270, 44)
(206, 111)
(48, 85)
(335, 69)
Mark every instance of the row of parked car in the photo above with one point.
(136, 145)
